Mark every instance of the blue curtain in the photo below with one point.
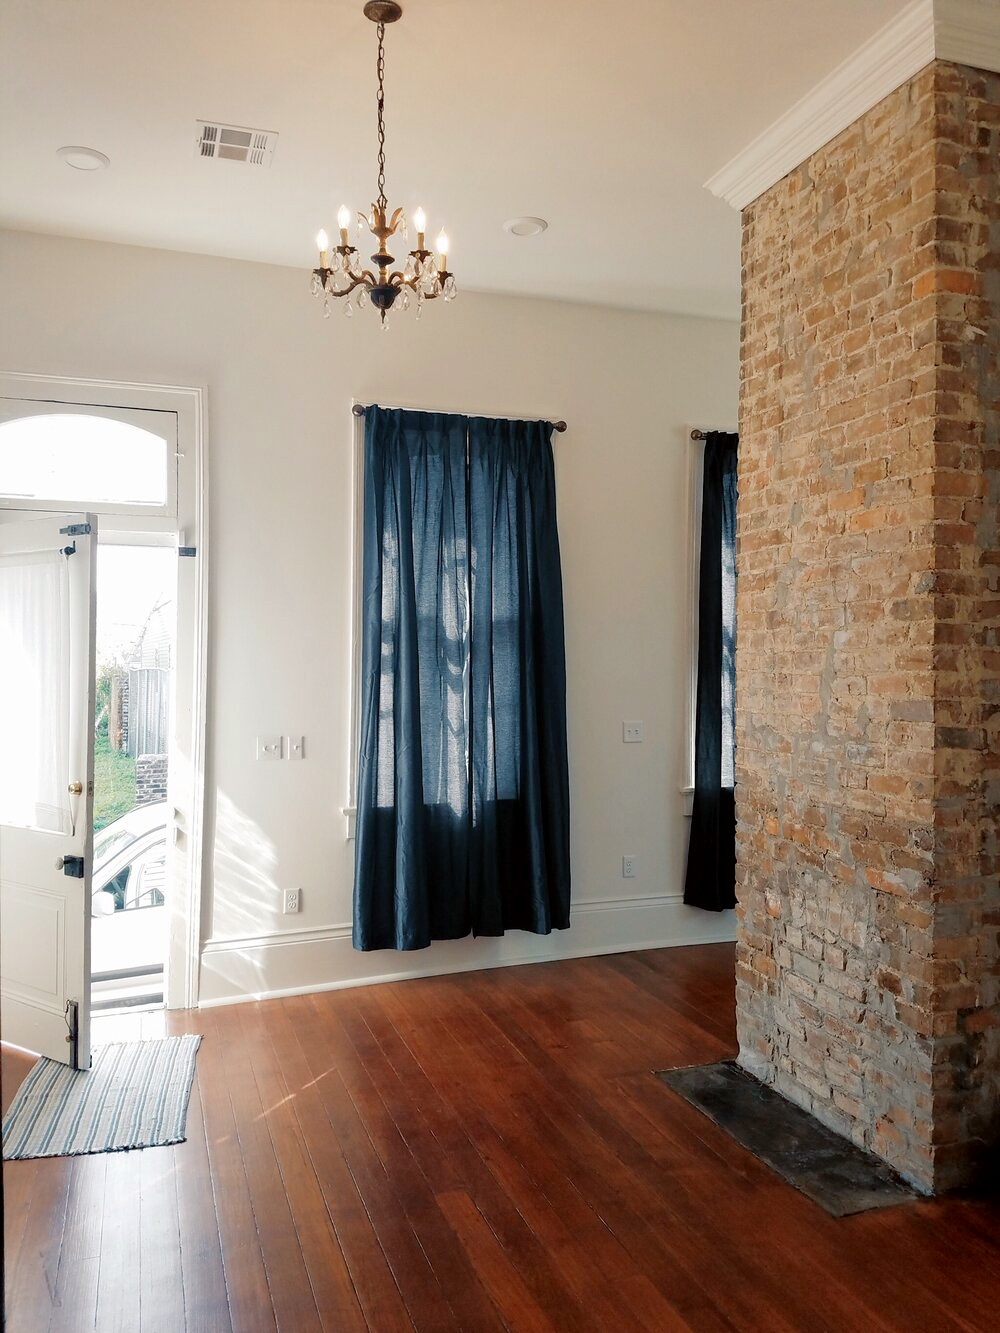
(710, 881)
(463, 789)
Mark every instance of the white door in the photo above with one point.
(47, 639)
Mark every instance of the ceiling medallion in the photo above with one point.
(340, 273)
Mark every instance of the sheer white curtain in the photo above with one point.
(34, 691)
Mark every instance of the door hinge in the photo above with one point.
(77, 530)
(73, 866)
(72, 1016)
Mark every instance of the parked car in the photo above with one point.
(128, 905)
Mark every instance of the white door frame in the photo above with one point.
(190, 530)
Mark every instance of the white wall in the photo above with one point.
(280, 381)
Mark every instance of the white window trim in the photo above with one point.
(695, 478)
(187, 527)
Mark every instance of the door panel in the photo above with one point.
(47, 668)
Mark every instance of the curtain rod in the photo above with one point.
(359, 410)
(699, 434)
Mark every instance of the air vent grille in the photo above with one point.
(235, 143)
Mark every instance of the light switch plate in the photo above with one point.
(631, 732)
(629, 866)
(295, 747)
(268, 747)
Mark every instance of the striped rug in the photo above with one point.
(135, 1096)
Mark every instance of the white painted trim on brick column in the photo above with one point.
(964, 31)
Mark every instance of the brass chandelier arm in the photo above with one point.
(366, 278)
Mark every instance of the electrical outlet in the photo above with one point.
(631, 732)
(268, 747)
(290, 901)
(629, 867)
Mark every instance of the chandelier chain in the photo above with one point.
(380, 68)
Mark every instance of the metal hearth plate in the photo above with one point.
(830, 1170)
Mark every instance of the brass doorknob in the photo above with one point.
(76, 789)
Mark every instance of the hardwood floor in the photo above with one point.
(478, 1152)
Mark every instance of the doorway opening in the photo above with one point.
(130, 459)
(136, 654)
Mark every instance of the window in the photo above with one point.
(709, 881)
(108, 460)
(152, 879)
(117, 888)
(696, 476)
(729, 633)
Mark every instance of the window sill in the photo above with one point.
(687, 797)
(349, 813)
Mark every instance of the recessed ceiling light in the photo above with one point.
(83, 159)
(525, 226)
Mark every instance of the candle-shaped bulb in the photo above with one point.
(343, 217)
(420, 220)
(322, 240)
(442, 248)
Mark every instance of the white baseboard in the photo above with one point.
(300, 962)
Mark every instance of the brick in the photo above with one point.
(868, 676)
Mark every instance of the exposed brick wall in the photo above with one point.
(150, 778)
(868, 663)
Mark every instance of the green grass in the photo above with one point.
(114, 783)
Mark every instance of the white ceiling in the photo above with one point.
(605, 119)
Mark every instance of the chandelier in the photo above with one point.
(340, 272)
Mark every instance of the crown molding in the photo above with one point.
(964, 31)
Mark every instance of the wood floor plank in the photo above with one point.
(333, 1291)
(246, 1279)
(327, 1049)
(485, 1152)
(502, 1279)
(369, 1268)
(453, 1076)
(119, 1278)
(414, 1165)
(74, 1301)
(206, 1302)
(161, 1296)
(288, 1282)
